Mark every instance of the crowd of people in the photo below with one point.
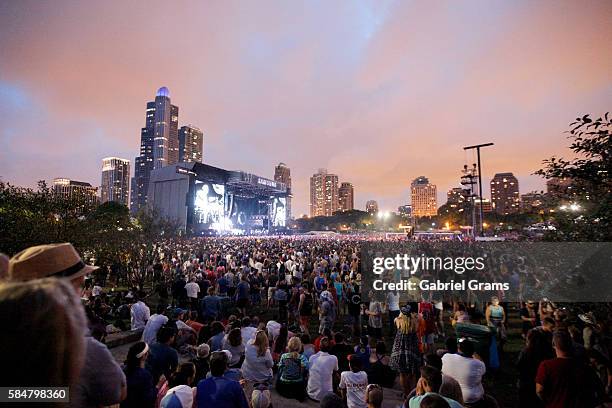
(230, 322)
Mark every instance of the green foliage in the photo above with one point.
(104, 234)
(590, 174)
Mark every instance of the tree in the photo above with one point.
(590, 175)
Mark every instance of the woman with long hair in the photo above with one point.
(257, 365)
(405, 356)
(141, 391)
(293, 372)
(280, 343)
(233, 343)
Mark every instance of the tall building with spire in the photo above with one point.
(323, 193)
(159, 145)
(191, 141)
(282, 174)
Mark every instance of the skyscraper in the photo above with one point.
(115, 180)
(165, 135)
(505, 194)
(346, 196)
(158, 145)
(191, 140)
(282, 174)
(424, 199)
(68, 189)
(323, 193)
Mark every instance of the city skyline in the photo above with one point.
(375, 92)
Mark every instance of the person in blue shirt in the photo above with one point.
(219, 391)
(218, 333)
(210, 306)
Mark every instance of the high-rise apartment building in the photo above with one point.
(505, 194)
(455, 197)
(372, 207)
(423, 196)
(191, 141)
(346, 196)
(70, 189)
(115, 180)
(282, 174)
(159, 145)
(323, 193)
(532, 201)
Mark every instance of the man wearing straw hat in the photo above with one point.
(102, 381)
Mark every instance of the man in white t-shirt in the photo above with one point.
(320, 376)
(139, 314)
(353, 384)
(467, 370)
(192, 289)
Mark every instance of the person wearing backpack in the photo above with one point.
(292, 372)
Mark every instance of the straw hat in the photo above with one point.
(53, 260)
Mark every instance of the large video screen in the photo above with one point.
(209, 205)
(279, 212)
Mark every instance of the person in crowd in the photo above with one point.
(248, 329)
(210, 305)
(429, 384)
(450, 346)
(467, 370)
(405, 356)
(434, 401)
(496, 317)
(257, 365)
(322, 367)
(342, 351)
(201, 362)
(155, 322)
(292, 372)
(327, 314)
(192, 289)
(375, 321)
(427, 328)
(101, 380)
(460, 315)
(309, 348)
(332, 400)
(31, 311)
(374, 396)
(141, 391)
(380, 372)
(180, 393)
(234, 344)
(219, 391)
(139, 312)
(529, 317)
(450, 387)
(393, 309)
(565, 381)
(363, 351)
(353, 384)
(242, 294)
(163, 359)
(217, 332)
(280, 343)
(305, 307)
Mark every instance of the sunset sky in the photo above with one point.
(377, 92)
